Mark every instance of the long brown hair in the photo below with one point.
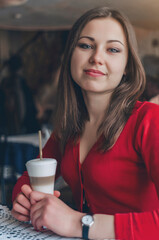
(71, 109)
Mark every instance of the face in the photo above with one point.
(100, 57)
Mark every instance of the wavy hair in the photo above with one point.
(72, 113)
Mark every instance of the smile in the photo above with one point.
(94, 73)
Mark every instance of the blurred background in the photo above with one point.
(33, 35)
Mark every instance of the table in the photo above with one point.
(12, 229)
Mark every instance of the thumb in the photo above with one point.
(36, 196)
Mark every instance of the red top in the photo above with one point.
(124, 181)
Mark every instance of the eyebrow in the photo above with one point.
(92, 39)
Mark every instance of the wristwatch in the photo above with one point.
(87, 222)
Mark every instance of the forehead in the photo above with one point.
(104, 28)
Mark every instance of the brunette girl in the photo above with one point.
(106, 142)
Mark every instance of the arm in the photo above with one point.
(138, 226)
(51, 212)
(58, 217)
(24, 179)
(144, 225)
(103, 227)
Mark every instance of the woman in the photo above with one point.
(105, 141)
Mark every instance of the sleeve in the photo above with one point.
(50, 150)
(144, 225)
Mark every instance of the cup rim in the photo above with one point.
(44, 161)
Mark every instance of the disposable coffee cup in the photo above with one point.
(42, 174)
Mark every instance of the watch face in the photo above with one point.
(87, 220)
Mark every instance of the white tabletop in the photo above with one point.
(12, 229)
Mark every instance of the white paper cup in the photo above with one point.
(42, 174)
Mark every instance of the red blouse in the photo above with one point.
(124, 181)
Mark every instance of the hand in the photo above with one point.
(49, 211)
(21, 205)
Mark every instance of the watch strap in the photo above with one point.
(85, 230)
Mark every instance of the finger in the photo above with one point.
(19, 217)
(34, 216)
(26, 190)
(57, 193)
(39, 224)
(21, 199)
(20, 209)
(34, 209)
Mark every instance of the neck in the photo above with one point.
(96, 106)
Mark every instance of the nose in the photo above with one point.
(97, 57)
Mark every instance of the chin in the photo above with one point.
(92, 90)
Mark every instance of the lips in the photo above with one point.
(94, 73)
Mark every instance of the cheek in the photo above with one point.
(76, 65)
(119, 68)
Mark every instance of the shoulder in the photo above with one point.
(144, 109)
(54, 138)
(144, 114)
(52, 141)
(52, 148)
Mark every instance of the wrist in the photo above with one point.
(76, 225)
(103, 227)
(87, 222)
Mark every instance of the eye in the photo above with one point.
(85, 46)
(113, 50)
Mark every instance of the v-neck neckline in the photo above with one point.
(89, 152)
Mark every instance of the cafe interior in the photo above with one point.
(33, 34)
